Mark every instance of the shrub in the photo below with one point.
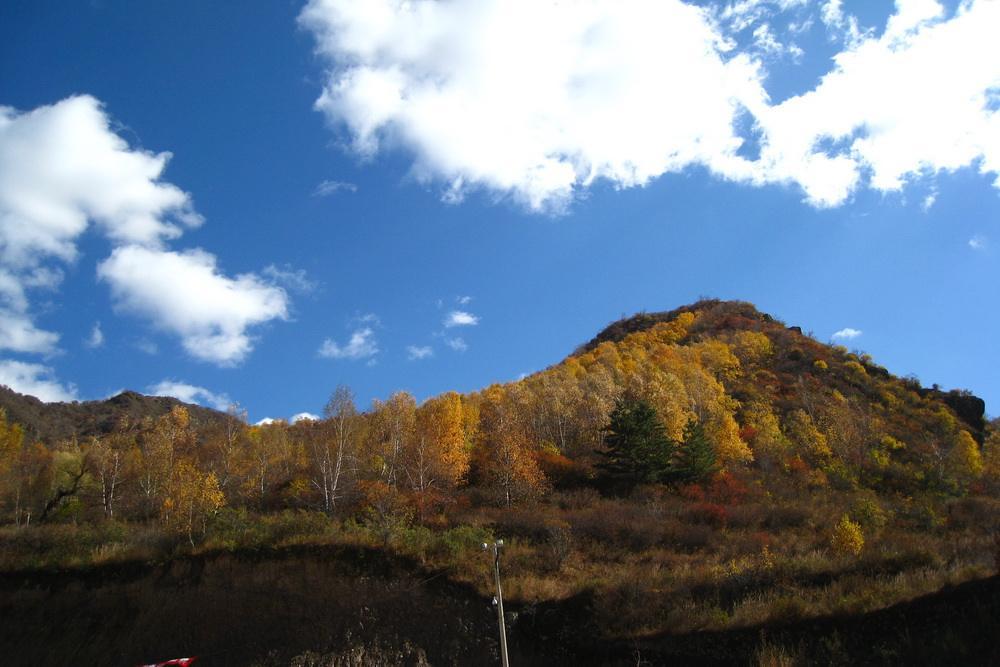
(712, 514)
(867, 512)
(576, 499)
(847, 539)
(463, 539)
(559, 542)
(415, 541)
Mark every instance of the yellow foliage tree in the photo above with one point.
(193, 497)
(510, 468)
(437, 456)
(965, 458)
(752, 347)
(847, 538)
(391, 426)
(724, 433)
(806, 437)
(267, 448)
(768, 442)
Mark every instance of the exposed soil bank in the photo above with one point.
(372, 609)
(235, 609)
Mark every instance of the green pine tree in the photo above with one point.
(696, 458)
(637, 447)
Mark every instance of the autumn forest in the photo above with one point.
(708, 469)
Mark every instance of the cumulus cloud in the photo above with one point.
(190, 393)
(19, 334)
(533, 99)
(460, 318)
(414, 353)
(910, 102)
(304, 416)
(62, 166)
(35, 380)
(846, 334)
(362, 345)
(538, 99)
(184, 293)
(63, 169)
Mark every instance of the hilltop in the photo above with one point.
(716, 318)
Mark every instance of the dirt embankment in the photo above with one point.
(238, 609)
(344, 606)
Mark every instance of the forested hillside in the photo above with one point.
(56, 422)
(702, 469)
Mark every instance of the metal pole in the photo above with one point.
(499, 601)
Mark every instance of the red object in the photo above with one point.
(176, 662)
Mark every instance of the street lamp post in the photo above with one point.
(498, 600)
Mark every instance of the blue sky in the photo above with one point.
(346, 179)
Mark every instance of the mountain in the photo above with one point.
(54, 422)
(773, 401)
(707, 475)
(722, 319)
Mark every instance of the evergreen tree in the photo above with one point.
(696, 459)
(637, 447)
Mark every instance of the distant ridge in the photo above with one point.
(54, 422)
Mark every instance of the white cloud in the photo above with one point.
(190, 393)
(765, 41)
(842, 26)
(266, 421)
(458, 344)
(538, 99)
(327, 188)
(910, 102)
(96, 337)
(414, 352)
(532, 99)
(460, 318)
(304, 416)
(361, 345)
(19, 334)
(463, 300)
(62, 168)
(928, 201)
(755, 9)
(293, 279)
(184, 293)
(846, 334)
(35, 380)
(978, 242)
(910, 15)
